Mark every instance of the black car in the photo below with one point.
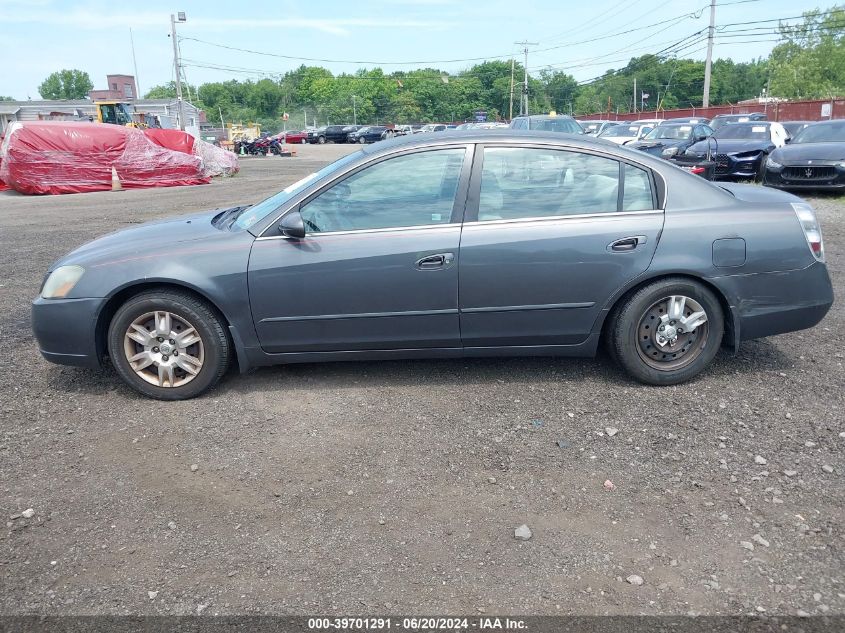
(740, 149)
(670, 139)
(331, 134)
(723, 119)
(793, 127)
(814, 159)
(369, 134)
(547, 123)
(687, 119)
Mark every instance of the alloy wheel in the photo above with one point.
(164, 349)
(672, 333)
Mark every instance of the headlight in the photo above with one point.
(61, 281)
(772, 164)
(669, 151)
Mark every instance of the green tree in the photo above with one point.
(66, 84)
(811, 60)
(2, 98)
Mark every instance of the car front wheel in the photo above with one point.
(667, 332)
(168, 345)
(321, 140)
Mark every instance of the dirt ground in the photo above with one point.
(395, 487)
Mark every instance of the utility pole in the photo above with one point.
(523, 106)
(510, 109)
(178, 66)
(135, 65)
(354, 112)
(708, 65)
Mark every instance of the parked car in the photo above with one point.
(314, 135)
(740, 149)
(596, 126)
(671, 139)
(814, 159)
(331, 134)
(651, 122)
(295, 137)
(433, 127)
(402, 130)
(555, 245)
(793, 127)
(369, 134)
(686, 119)
(723, 119)
(547, 123)
(626, 132)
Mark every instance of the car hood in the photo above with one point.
(809, 151)
(730, 146)
(146, 239)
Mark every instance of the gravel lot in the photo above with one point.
(395, 487)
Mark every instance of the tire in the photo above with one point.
(212, 350)
(303, 142)
(321, 140)
(633, 340)
(362, 140)
(761, 170)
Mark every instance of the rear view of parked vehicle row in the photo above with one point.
(498, 243)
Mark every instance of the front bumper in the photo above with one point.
(65, 330)
(807, 176)
(738, 166)
(766, 304)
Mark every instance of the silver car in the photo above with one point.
(498, 244)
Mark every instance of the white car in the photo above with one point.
(625, 133)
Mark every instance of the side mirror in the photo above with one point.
(787, 139)
(291, 225)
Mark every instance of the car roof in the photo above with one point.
(544, 116)
(508, 135)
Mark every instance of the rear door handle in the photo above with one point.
(626, 243)
(435, 261)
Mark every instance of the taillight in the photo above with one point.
(812, 230)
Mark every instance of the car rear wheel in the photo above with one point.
(667, 332)
(303, 141)
(168, 345)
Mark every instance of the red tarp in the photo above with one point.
(216, 161)
(74, 157)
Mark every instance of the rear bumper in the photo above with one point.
(65, 330)
(766, 304)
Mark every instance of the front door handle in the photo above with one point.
(439, 260)
(626, 243)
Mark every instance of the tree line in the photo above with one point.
(808, 62)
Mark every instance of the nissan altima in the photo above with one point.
(498, 244)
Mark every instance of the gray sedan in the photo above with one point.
(496, 244)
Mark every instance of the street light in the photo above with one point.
(179, 17)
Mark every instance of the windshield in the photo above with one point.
(756, 131)
(825, 133)
(622, 130)
(557, 125)
(364, 130)
(261, 210)
(673, 132)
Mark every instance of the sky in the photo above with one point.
(583, 39)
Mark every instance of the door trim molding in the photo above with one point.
(570, 217)
(359, 315)
(526, 308)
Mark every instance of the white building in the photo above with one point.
(82, 109)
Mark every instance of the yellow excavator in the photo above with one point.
(120, 113)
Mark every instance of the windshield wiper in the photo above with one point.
(228, 217)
